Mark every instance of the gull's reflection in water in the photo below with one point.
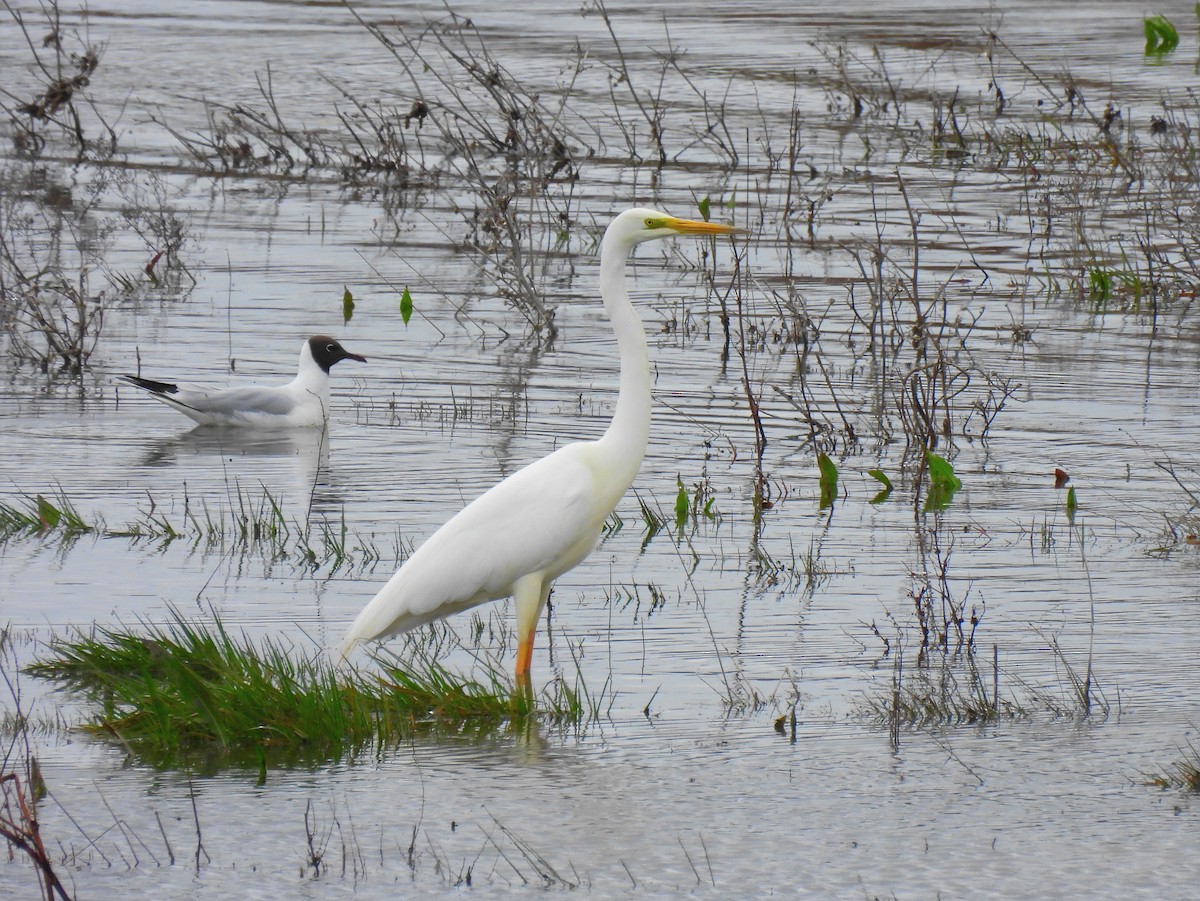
(313, 483)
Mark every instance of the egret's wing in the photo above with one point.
(543, 518)
(530, 522)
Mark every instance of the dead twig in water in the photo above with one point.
(21, 787)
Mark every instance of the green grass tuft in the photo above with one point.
(39, 516)
(188, 691)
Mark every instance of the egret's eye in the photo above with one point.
(650, 223)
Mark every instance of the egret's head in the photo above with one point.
(643, 224)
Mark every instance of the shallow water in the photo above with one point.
(696, 794)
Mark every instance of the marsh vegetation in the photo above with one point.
(921, 497)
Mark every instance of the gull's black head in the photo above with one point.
(326, 351)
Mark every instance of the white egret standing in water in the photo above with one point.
(525, 532)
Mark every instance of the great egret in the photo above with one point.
(525, 532)
(304, 401)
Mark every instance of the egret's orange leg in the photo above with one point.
(525, 654)
(530, 592)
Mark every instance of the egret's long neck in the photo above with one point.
(624, 443)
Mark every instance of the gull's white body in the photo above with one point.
(541, 521)
(302, 402)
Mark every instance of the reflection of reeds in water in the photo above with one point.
(941, 695)
(256, 525)
(251, 526)
(956, 690)
(189, 690)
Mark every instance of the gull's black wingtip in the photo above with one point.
(150, 385)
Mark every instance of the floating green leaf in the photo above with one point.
(829, 477)
(347, 304)
(1072, 504)
(705, 205)
(1161, 36)
(880, 476)
(941, 472)
(406, 306)
(942, 482)
(682, 504)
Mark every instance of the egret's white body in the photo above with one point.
(302, 402)
(522, 534)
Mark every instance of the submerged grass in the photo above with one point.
(251, 525)
(1184, 773)
(957, 690)
(189, 691)
(941, 697)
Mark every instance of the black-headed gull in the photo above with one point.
(304, 401)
